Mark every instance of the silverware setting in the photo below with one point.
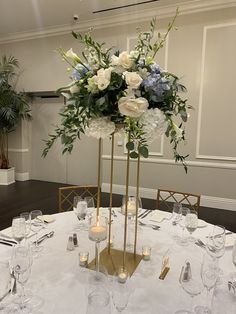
(44, 237)
(154, 227)
(232, 285)
(145, 214)
(140, 215)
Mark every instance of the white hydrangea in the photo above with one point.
(100, 127)
(154, 124)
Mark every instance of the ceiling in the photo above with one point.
(17, 16)
(20, 19)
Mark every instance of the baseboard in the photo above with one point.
(22, 176)
(206, 201)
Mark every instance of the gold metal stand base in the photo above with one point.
(114, 260)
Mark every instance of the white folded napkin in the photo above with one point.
(158, 216)
(49, 218)
(230, 239)
(201, 223)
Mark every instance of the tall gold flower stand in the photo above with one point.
(112, 258)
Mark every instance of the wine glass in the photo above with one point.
(80, 209)
(37, 224)
(21, 265)
(18, 228)
(191, 283)
(176, 213)
(191, 223)
(209, 274)
(90, 205)
(27, 217)
(98, 301)
(216, 242)
(121, 290)
(183, 241)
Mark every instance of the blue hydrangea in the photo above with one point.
(156, 83)
(79, 72)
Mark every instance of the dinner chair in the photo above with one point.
(66, 195)
(166, 198)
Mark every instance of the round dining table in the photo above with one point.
(62, 285)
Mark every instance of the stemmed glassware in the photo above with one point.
(191, 223)
(27, 217)
(98, 301)
(21, 265)
(18, 228)
(216, 242)
(37, 224)
(80, 208)
(176, 213)
(90, 205)
(209, 274)
(183, 240)
(191, 283)
(121, 290)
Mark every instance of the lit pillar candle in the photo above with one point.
(97, 233)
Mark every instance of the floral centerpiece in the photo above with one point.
(121, 90)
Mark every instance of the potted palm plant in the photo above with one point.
(13, 108)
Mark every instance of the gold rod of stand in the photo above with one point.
(99, 174)
(126, 203)
(137, 204)
(111, 183)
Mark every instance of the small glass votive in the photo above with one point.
(122, 275)
(146, 251)
(83, 259)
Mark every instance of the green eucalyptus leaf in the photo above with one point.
(133, 155)
(130, 145)
(143, 151)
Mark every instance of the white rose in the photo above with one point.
(114, 60)
(132, 107)
(133, 79)
(74, 89)
(70, 54)
(134, 54)
(125, 60)
(103, 78)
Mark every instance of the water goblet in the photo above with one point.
(216, 242)
(90, 205)
(183, 241)
(98, 302)
(27, 217)
(209, 275)
(80, 209)
(191, 223)
(18, 228)
(176, 213)
(37, 224)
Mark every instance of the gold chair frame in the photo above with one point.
(66, 195)
(168, 197)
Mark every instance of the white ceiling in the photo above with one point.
(17, 16)
(22, 19)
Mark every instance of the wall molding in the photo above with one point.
(129, 18)
(199, 120)
(217, 165)
(206, 201)
(18, 150)
(22, 176)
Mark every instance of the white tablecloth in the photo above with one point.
(57, 279)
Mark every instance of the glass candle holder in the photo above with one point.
(146, 251)
(83, 259)
(122, 274)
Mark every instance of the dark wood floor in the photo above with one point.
(32, 194)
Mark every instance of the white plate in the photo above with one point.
(202, 223)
